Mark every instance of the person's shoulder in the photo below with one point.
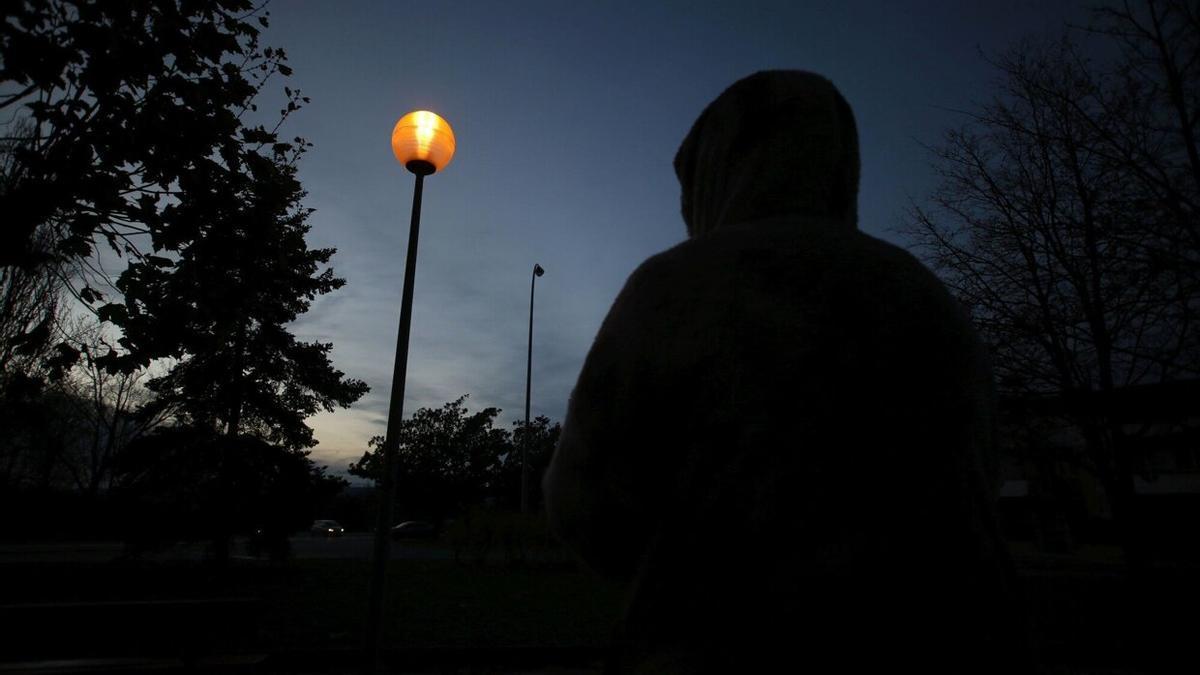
(881, 260)
(664, 271)
(705, 255)
(785, 238)
(669, 261)
(883, 250)
(678, 286)
(704, 266)
(894, 277)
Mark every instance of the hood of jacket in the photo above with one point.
(776, 143)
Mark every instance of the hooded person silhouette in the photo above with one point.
(781, 437)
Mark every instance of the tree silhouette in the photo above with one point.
(106, 409)
(448, 458)
(132, 131)
(192, 484)
(1067, 222)
(129, 125)
(223, 307)
(31, 311)
(541, 437)
(30, 297)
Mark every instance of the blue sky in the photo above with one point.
(567, 116)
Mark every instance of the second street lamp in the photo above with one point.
(537, 272)
(424, 143)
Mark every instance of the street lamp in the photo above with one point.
(537, 272)
(424, 143)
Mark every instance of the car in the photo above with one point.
(414, 529)
(326, 528)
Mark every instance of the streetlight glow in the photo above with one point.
(423, 142)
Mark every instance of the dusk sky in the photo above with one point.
(567, 116)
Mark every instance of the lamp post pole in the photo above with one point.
(537, 272)
(383, 522)
(423, 143)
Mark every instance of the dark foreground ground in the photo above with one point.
(59, 614)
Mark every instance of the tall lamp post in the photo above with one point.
(537, 272)
(424, 143)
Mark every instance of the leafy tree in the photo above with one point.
(30, 311)
(539, 441)
(448, 458)
(190, 484)
(41, 435)
(106, 410)
(129, 135)
(129, 125)
(1066, 221)
(30, 298)
(130, 131)
(223, 307)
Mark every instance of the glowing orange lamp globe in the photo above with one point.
(423, 142)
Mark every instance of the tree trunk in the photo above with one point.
(1125, 495)
(222, 542)
(1107, 448)
(234, 421)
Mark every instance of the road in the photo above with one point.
(358, 545)
(351, 546)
